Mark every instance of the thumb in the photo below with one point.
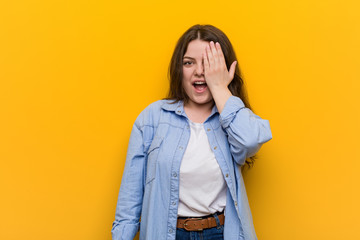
(232, 70)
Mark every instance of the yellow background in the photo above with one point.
(75, 74)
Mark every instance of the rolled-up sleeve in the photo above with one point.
(246, 131)
(128, 209)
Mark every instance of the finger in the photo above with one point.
(210, 57)
(206, 63)
(232, 70)
(222, 61)
(214, 53)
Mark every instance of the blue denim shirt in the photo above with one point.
(150, 184)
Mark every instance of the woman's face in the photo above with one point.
(193, 74)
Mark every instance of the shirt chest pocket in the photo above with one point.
(152, 157)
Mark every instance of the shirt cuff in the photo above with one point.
(125, 231)
(232, 106)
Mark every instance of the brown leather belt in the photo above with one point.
(199, 224)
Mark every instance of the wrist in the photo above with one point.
(220, 96)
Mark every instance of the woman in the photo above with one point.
(181, 174)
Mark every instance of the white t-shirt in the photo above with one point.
(202, 185)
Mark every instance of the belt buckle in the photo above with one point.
(191, 219)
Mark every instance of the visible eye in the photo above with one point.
(187, 63)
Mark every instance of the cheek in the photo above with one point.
(186, 73)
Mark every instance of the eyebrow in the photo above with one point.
(189, 57)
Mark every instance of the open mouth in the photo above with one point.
(199, 86)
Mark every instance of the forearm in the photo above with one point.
(220, 96)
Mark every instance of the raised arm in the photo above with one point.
(246, 131)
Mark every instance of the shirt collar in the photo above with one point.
(170, 105)
(178, 107)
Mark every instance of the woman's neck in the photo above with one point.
(198, 112)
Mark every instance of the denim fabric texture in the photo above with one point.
(207, 234)
(150, 183)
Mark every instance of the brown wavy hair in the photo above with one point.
(206, 33)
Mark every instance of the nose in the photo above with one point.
(199, 69)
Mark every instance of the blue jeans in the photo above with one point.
(215, 233)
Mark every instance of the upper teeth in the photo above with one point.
(199, 82)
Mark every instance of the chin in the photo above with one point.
(203, 101)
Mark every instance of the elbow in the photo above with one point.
(264, 135)
(247, 149)
(251, 146)
(251, 150)
(249, 142)
(254, 143)
(244, 151)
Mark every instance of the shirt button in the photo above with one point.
(174, 175)
(179, 111)
(180, 148)
(215, 147)
(173, 203)
(170, 230)
(226, 175)
(236, 203)
(208, 129)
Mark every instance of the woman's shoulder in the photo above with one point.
(151, 114)
(157, 106)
